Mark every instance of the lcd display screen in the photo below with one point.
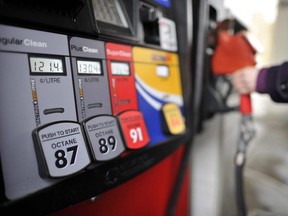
(88, 67)
(46, 65)
(120, 68)
(162, 71)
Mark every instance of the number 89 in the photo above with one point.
(103, 144)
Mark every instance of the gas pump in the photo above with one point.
(121, 77)
(159, 92)
(93, 98)
(39, 85)
(75, 121)
(90, 77)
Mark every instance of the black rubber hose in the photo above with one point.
(239, 181)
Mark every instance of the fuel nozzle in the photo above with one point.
(233, 52)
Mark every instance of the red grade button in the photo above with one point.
(134, 129)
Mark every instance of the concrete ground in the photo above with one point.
(266, 170)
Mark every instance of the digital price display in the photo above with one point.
(120, 68)
(88, 67)
(46, 65)
(162, 71)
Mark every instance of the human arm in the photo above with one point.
(270, 80)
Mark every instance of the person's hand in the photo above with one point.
(244, 80)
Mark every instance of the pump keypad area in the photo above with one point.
(70, 104)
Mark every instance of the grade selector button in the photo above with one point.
(61, 149)
(104, 137)
(173, 119)
(134, 129)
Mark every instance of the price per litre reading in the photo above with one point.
(61, 149)
(88, 67)
(46, 65)
(120, 68)
(162, 71)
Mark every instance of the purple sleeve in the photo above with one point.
(274, 81)
(261, 86)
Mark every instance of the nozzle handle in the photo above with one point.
(245, 104)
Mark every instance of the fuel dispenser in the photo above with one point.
(159, 92)
(90, 77)
(38, 94)
(121, 77)
(123, 95)
(90, 102)
(93, 98)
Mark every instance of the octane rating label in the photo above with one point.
(173, 118)
(104, 137)
(134, 129)
(63, 148)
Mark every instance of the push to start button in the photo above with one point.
(104, 137)
(134, 129)
(60, 149)
(173, 121)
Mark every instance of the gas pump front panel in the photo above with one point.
(74, 116)
(158, 84)
(81, 114)
(121, 76)
(90, 77)
(36, 89)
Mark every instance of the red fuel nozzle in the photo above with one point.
(232, 53)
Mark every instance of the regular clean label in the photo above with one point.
(134, 129)
(62, 148)
(104, 137)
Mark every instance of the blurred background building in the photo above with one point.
(266, 177)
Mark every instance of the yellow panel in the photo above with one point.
(141, 54)
(170, 85)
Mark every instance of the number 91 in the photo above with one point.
(136, 134)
